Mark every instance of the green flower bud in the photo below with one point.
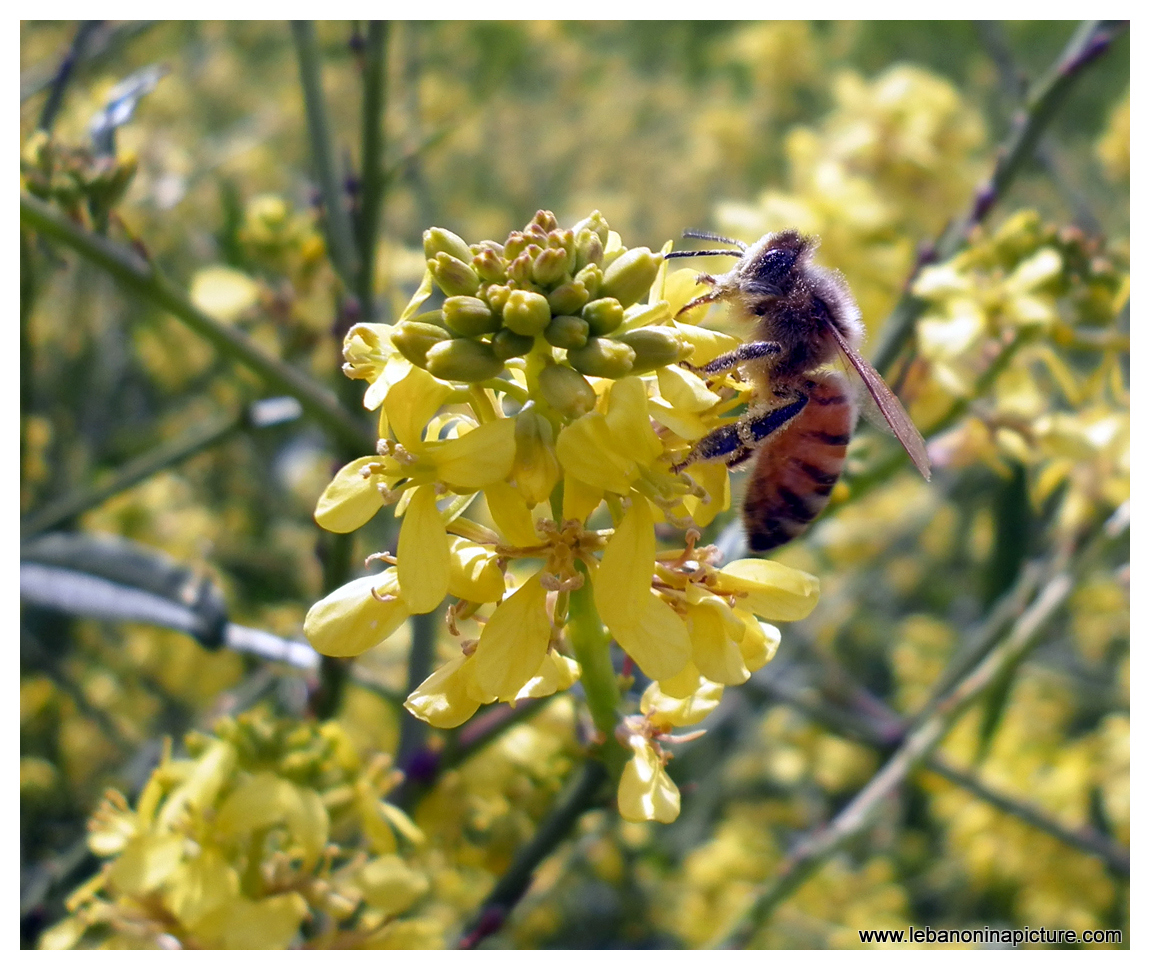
(464, 359)
(596, 223)
(488, 244)
(414, 339)
(629, 277)
(591, 276)
(543, 220)
(567, 391)
(560, 239)
(603, 358)
(469, 316)
(526, 313)
(568, 332)
(516, 243)
(536, 469)
(655, 347)
(432, 316)
(603, 316)
(507, 344)
(588, 248)
(522, 266)
(490, 266)
(567, 298)
(496, 297)
(454, 276)
(436, 241)
(550, 266)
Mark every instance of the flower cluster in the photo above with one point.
(543, 383)
(84, 185)
(255, 838)
(1028, 316)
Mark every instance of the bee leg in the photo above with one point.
(700, 300)
(748, 351)
(735, 443)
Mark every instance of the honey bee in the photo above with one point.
(804, 414)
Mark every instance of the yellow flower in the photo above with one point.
(646, 793)
(599, 410)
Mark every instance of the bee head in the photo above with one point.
(771, 266)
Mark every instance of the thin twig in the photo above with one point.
(337, 220)
(492, 913)
(106, 41)
(879, 734)
(1086, 839)
(139, 276)
(412, 730)
(372, 175)
(1090, 41)
(165, 455)
(934, 722)
(64, 73)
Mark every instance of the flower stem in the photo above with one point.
(592, 648)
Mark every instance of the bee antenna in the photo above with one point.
(705, 252)
(714, 237)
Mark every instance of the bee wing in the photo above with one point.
(890, 406)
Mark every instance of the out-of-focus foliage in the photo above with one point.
(871, 136)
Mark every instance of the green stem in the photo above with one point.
(372, 183)
(137, 275)
(164, 456)
(592, 647)
(578, 798)
(340, 236)
(932, 725)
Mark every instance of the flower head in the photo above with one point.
(547, 384)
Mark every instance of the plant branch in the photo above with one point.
(493, 912)
(1090, 41)
(932, 726)
(340, 236)
(139, 276)
(374, 142)
(165, 455)
(64, 73)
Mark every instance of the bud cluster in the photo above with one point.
(568, 289)
(73, 177)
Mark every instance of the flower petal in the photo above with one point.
(586, 449)
(510, 514)
(412, 402)
(655, 637)
(625, 571)
(579, 498)
(685, 391)
(760, 641)
(350, 620)
(556, 673)
(443, 700)
(513, 641)
(774, 591)
(475, 573)
(667, 712)
(629, 422)
(477, 458)
(646, 794)
(424, 554)
(350, 498)
(715, 654)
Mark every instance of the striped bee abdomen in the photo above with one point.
(797, 467)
